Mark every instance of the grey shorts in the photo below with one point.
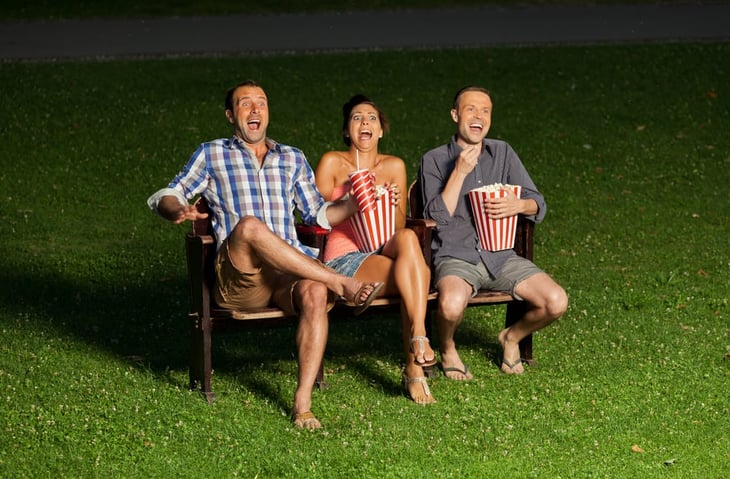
(348, 263)
(515, 270)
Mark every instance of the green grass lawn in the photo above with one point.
(629, 145)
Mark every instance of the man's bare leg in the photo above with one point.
(454, 294)
(311, 299)
(252, 243)
(547, 302)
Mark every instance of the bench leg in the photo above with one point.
(201, 368)
(515, 311)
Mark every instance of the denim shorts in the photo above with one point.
(515, 270)
(348, 263)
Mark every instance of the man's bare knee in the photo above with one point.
(311, 296)
(249, 228)
(454, 294)
(557, 303)
(451, 306)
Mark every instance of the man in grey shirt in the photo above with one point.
(461, 266)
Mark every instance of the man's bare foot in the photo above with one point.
(360, 294)
(354, 291)
(457, 373)
(369, 291)
(454, 368)
(305, 420)
(511, 362)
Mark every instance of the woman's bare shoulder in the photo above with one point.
(392, 162)
(390, 159)
(333, 160)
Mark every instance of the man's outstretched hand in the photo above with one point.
(188, 213)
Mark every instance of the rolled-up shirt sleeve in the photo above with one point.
(322, 220)
(154, 201)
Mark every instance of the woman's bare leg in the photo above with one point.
(405, 273)
(402, 267)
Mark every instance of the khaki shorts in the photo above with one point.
(515, 270)
(261, 288)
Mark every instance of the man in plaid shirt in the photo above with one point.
(253, 185)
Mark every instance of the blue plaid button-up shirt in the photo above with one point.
(228, 176)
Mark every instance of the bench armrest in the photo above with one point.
(524, 237)
(313, 236)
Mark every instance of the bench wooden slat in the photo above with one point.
(490, 297)
(250, 314)
(483, 297)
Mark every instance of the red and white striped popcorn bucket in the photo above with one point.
(494, 234)
(374, 227)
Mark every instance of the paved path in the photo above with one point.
(352, 31)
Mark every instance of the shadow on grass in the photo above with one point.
(359, 345)
(146, 324)
(142, 323)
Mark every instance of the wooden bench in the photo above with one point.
(206, 317)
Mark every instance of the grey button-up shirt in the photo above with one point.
(455, 235)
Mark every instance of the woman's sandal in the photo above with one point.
(421, 341)
(429, 399)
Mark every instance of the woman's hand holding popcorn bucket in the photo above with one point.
(394, 193)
